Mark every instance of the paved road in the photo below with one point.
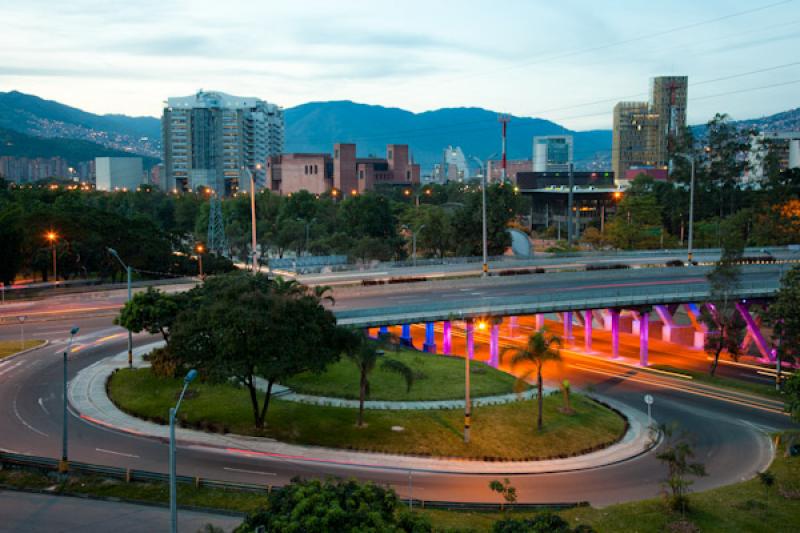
(728, 435)
(32, 513)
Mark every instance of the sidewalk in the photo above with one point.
(88, 398)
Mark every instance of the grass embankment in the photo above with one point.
(498, 432)
(730, 383)
(437, 377)
(11, 347)
(739, 507)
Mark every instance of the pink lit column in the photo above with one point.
(494, 345)
(539, 321)
(614, 332)
(644, 337)
(513, 322)
(587, 330)
(447, 337)
(470, 339)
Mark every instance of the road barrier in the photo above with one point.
(48, 465)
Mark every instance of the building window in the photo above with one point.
(316, 170)
(336, 153)
(361, 174)
(390, 154)
(408, 175)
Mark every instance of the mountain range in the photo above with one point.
(313, 127)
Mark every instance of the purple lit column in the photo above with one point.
(755, 332)
(644, 337)
(494, 344)
(405, 336)
(430, 338)
(587, 330)
(470, 328)
(567, 316)
(447, 337)
(614, 332)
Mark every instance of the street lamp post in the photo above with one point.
(173, 493)
(690, 250)
(63, 465)
(52, 236)
(129, 270)
(253, 212)
(200, 249)
(483, 216)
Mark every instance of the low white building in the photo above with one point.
(118, 173)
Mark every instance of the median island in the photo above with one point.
(273, 362)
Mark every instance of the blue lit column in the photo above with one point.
(384, 330)
(405, 336)
(430, 338)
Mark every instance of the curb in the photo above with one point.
(27, 350)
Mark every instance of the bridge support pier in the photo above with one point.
(644, 337)
(513, 322)
(700, 329)
(430, 338)
(567, 318)
(614, 315)
(494, 346)
(470, 331)
(383, 330)
(755, 332)
(405, 336)
(539, 321)
(587, 330)
(447, 337)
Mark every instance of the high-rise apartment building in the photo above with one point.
(552, 153)
(118, 173)
(213, 139)
(643, 131)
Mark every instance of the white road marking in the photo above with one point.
(10, 368)
(117, 453)
(16, 413)
(41, 404)
(250, 471)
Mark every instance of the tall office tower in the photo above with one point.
(643, 131)
(552, 153)
(212, 139)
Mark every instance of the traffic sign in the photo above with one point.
(648, 399)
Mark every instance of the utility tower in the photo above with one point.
(504, 120)
(217, 242)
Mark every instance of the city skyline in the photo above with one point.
(129, 63)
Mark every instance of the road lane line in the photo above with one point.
(249, 471)
(16, 413)
(41, 404)
(102, 450)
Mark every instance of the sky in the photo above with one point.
(568, 61)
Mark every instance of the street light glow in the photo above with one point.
(51, 236)
(482, 325)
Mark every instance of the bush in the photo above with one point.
(164, 363)
(543, 523)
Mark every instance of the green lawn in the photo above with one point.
(498, 432)
(744, 386)
(11, 347)
(742, 507)
(437, 377)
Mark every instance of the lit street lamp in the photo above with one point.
(253, 212)
(52, 236)
(200, 249)
(130, 296)
(63, 465)
(173, 495)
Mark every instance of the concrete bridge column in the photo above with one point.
(755, 332)
(470, 331)
(383, 330)
(513, 322)
(539, 321)
(700, 329)
(405, 336)
(587, 330)
(644, 337)
(567, 318)
(494, 346)
(430, 338)
(614, 316)
(447, 337)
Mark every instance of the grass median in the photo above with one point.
(433, 379)
(8, 348)
(502, 432)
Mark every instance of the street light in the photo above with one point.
(129, 270)
(200, 249)
(690, 159)
(414, 242)
(63, 465)
(52, 236)
(173, 411)
(483, 216)
(253, 212)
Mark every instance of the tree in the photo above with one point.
(721, 316)
(767, 480)
(541, 348)
(791, 390)
(783, 316)
(239, 327)
(504, 489)
(314, 506)
(676, 453)
(11, 241)
(152, 311)
(546, 522)
(365, 355)
(501, 207)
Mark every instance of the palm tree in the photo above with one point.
(539, 350)
(322, 293)
(292, 287)
(365, 356)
